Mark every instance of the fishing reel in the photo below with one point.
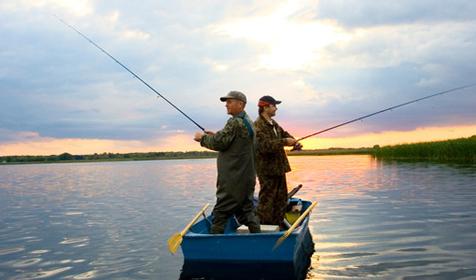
(297, 147)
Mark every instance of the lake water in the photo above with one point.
(111, 220)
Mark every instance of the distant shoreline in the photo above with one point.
(458, 150)
(105, 157)
(112, 157)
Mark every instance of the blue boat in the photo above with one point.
(238, 254)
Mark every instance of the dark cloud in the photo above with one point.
(444, 110)
(357, 13)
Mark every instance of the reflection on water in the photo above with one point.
(111, 220)
(391, 220)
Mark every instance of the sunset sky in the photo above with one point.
(328, 61)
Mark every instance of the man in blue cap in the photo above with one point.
(272, 163)
(236, 166)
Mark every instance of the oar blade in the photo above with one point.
(174, 242)
(176, 239)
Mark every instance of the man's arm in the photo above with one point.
(221, 140)
(266, 140)
(291, 141)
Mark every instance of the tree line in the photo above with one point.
(67, 157)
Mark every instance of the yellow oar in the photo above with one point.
(176, 239)
(296, 224)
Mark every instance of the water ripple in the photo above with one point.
(69, 241)
(23, 263)
(7, 251)
(111, 220)
(455, 274)
(40, 274)
(39, 252)
(85, 275)
(380, 269)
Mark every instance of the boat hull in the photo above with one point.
(223, 255)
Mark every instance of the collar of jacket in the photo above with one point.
(273, 122)
(242, 114)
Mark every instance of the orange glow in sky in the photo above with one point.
(392, 137)
(184, 142)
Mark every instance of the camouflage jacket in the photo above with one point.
(271, 158)
(235, 162)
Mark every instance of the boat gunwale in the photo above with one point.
(297, 231)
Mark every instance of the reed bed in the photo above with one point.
(461, 150)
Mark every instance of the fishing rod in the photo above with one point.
(130, 71)
(386, 109)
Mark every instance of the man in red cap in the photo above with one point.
(272, 163)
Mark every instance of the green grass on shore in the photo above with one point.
(461, 150)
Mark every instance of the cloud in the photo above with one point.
(11, 136)
(70, 7)
(329, 61)
(287, 42)
(356, 13)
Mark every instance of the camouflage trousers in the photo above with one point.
(273, 199)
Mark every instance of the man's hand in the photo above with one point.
(289, 141)
(297, 146)
(198, 136)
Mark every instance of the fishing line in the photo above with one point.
(130, 71)
(387, 109)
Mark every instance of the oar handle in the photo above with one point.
(296, 224)
(182, 233)
(294, 191)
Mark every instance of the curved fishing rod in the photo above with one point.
(386, 109)
(134, 74)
